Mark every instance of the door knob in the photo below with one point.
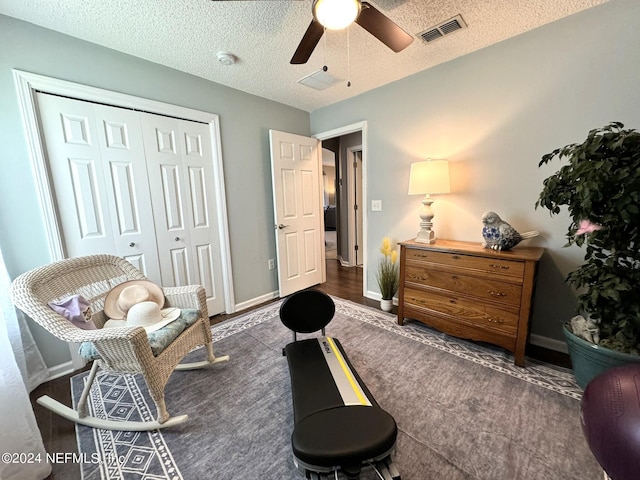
(177, 239)
(132, 244)
(281, 226)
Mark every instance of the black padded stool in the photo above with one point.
(339, 427)
(307, 311)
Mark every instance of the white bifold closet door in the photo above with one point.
(136, 185)
(181, 183)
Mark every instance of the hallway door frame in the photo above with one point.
(338, 132)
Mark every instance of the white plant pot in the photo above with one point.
(386, 305)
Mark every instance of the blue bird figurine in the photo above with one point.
(499, 235)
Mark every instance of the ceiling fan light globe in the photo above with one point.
(336, 14)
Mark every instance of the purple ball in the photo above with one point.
(610, 416)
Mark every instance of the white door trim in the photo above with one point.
(351, 221)
(345, 130)
(26, 86)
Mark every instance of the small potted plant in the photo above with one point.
(600, 185)
(387, 274)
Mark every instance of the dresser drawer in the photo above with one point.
(452, 280)
(491, 265)
(450, 326)
(462, 309)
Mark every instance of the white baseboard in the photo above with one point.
(256, 301)
(373, 295)
(376, 296)
(61, 370)
(550, 343)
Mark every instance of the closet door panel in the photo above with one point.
(167, 183)
(138, 185)
(171, 195)
(77, 180)
(96, 158)
(202, 210)
(124, 164)
(180, 170)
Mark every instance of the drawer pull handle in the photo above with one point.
(454, 277)
(499, 320)
(455, 257)
(495, 265)
(452, 301)
(413, 276)
(496, 294)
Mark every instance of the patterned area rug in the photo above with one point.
(547, 376)
(464, 410)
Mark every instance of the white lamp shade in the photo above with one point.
(336, 14)
(430, 176)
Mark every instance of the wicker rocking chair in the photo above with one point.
(121, 350)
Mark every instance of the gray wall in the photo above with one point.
(493, 114)
(244, 124)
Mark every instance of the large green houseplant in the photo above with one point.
(600, 185)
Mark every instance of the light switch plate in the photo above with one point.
(376, 205)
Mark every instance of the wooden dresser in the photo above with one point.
(468, 291)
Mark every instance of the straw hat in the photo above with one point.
(147, 315)
(123, 296)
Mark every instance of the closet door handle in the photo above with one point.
(177, 239)
(132, 244)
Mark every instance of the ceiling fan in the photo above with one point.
(339, 14)
(363, 13)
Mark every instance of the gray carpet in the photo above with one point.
(464, 411)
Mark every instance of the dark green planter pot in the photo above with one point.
(589, 360)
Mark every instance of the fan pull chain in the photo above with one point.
(324, 50)
(348, 59)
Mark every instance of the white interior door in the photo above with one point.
(297, 186)
(180, 171)
(98, 170)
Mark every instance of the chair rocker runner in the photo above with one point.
(123, 350)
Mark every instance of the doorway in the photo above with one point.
(348, 146)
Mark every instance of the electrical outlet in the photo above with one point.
(271, 263)
(376, 205)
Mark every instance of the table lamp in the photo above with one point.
(427, 178)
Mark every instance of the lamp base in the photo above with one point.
(426, 236)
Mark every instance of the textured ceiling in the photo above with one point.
(263, 34)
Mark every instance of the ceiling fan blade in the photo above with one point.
(381, 27)
(309, 41)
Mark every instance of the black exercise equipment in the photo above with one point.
(339, 427)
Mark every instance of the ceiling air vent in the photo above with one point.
(445, 28)
(319, 80)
